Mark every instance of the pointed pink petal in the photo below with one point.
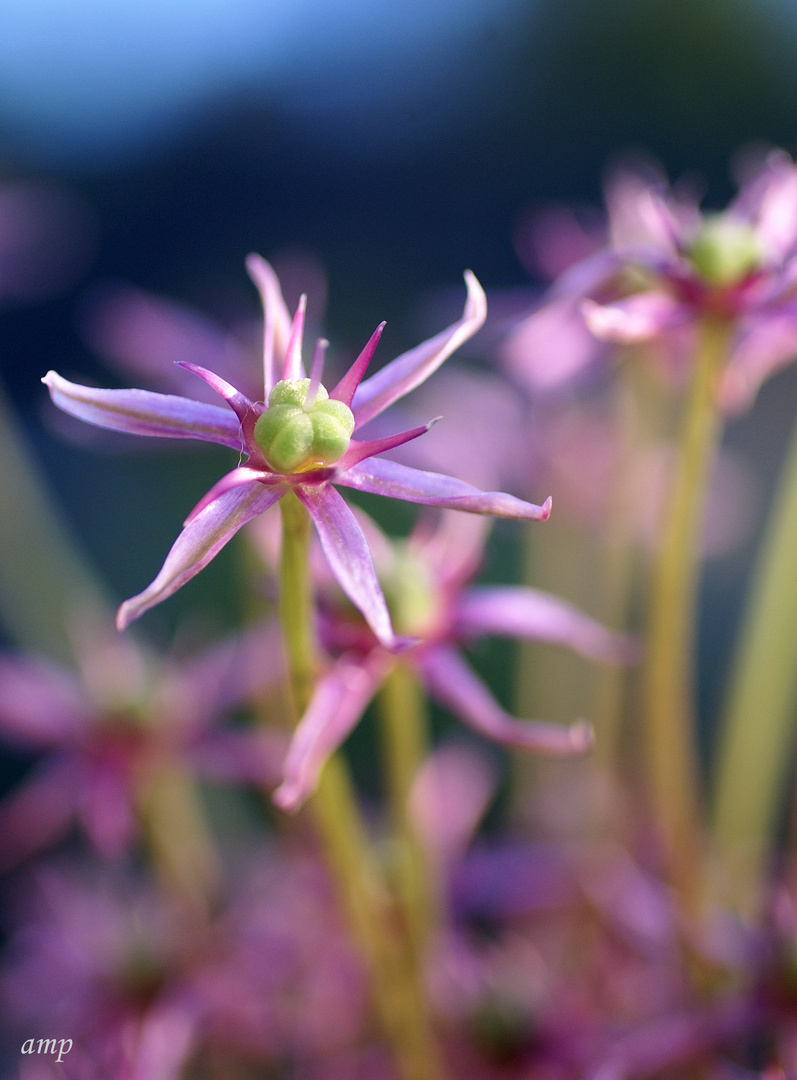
(198, 543)
(40, 704)
(239, 476)
(247, 412)
(277, 319)
(344, 391)
(531, 615)
(292, 368)
(316, 371)
(339, 701)
(412, 368)
(382, 477)
(359, 451)
(141, 412)
(638, 318)
(238, 402)
(454, 685)
(346, 550)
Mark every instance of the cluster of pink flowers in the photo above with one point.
(551, 957)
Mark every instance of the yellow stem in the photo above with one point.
(669, 670)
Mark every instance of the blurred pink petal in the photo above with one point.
(550, 346)
(452, 682)
(639, 318)
(339, 701)
(449, 797)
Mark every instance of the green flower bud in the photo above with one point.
(295, 436)
(725, 251)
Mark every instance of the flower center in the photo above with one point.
(725, 251)
(296, 435)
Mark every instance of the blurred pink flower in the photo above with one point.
(426, 581)
(106, 730)
(666, 266)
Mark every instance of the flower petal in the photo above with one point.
(382, 477)
(141, 412)
(236, 478)
(536, 616)
(412, 368)
(339, 701)
(238, 402)
(359, 451)
(344, 390)
(41, 705)
(637, 318)
(293, 367)
(454, 685)
(347, 553)
(550, 346)
(198, 543)
(277, 323)
(763, 348)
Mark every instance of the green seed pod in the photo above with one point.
(724, 251)
(295, 436)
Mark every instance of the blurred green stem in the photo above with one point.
(669, 674)
(758, 734)
(403, 716)
(398, 997)
(43, 578)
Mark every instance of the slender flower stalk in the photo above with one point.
(403, 714)
(758, 728)
(669, 674)
(398, 990)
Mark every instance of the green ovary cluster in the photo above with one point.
(296, 436)
(725, 251)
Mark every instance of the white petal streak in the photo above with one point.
(141, 412)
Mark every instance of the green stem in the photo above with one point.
(180, 841)
(403, 716)
(757, 739)
(398, 995)
(44, 581)
(669, 672)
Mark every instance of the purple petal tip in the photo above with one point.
(546, 508)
